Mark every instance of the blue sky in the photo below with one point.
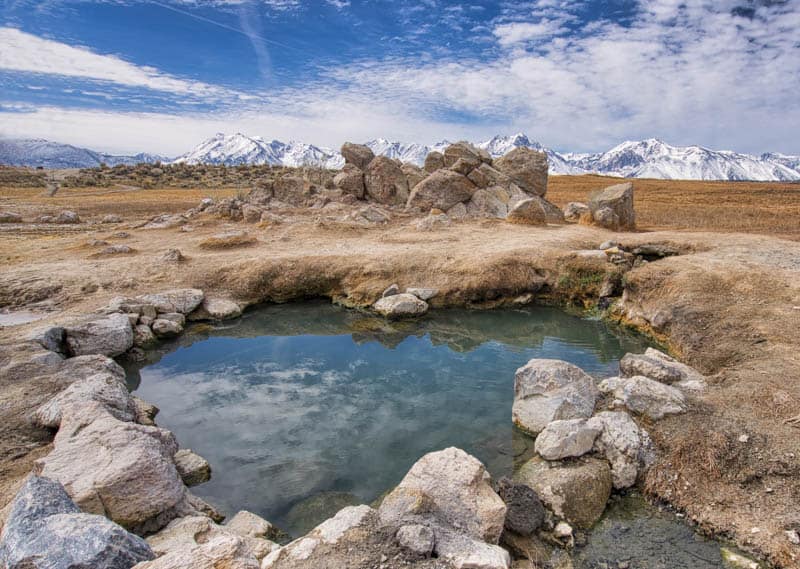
(159, 76)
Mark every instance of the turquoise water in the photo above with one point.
(302, 409)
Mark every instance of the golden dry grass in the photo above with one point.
(749, 207)
(87, 202)
(228, 241)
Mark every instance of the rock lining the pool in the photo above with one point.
(113, 461)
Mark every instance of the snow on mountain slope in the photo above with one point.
(39, 152)
(235, 149)
(651, 158)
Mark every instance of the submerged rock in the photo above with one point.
(46, 530)
(401, 305)
(576, 491)
(550, 390)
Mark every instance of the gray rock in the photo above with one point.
(46, 530)
(414, 174)
(143, 336)
(122, 470)
(293, 190)
(433, 222)
(391, 290)
(330, 532)
(618, 199)
(67, 217)
(626, 447)
(525, 512)
(248, 524)
(458, 212)
(464, 151)
(110, 335)
(106, 389)
(251, 213)
(551, 390)
(422, 293)
(465, 165)
(645, 396)
(111, 218)
(486, 203)
(565, 439)
(53, 338)
(661, 367)
(576, 491)
(163, 328)
(385, 182)
(357, 154)
(527, 168)
(416, 538)
(193, 468)
(350, 180)
(441, 190)
(402, 305)
(145, 412)
(183, 300)
(434, 161)
(216, 309)
(455, 489)
(10, 217)
(527, 212)
(574, 210)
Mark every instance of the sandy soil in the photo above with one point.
(730, 306)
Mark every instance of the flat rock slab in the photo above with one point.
(402, 305)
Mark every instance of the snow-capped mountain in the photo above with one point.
(235, 149)
(47, 154)
(653, 158)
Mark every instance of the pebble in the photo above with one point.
(743, 438)
(794, 536)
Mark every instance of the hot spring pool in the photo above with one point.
(303, 409)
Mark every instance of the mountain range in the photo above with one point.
(650, 158)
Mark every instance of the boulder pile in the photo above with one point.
(582, 453)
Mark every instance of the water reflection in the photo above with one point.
(300, 408)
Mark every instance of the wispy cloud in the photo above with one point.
(23, 52)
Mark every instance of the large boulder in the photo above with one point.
(385, 181)
(486, 203)
(357, 154)
(528, 212)
(466, 152)
(550, 390)
(627, 447)
(183, 300)
(565, 439)
(106, 389)
(46, 530)
(527, 168)
(434, 161)
(414, 174)
(402, 305)
(216, 309)
(575, 210)
(485, 175)
(109, 335)
(576, 491)
(122, 470)
(661, 367)
(454, 488)
(442, 190)
(619, 200)
(350, 180)
(645, 396)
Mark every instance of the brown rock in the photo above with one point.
(357, 154)
(527, 168)
(350, 180)
(443, 189)
(385, 181)
(434, 161)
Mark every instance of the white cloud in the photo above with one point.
(521, 32)
(29, 53)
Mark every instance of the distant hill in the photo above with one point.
(47, 154)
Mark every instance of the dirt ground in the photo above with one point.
(730, 306)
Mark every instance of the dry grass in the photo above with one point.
(750, 207)
(130, 203)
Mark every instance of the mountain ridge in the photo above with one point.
(648, 158)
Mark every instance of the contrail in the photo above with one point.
(252, 36)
